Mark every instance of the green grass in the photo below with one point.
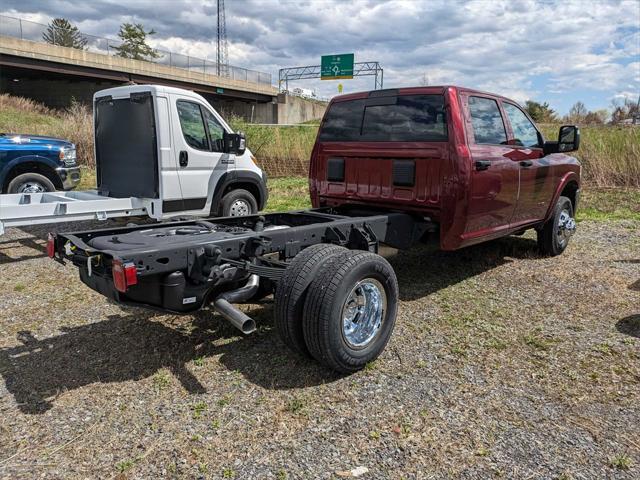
(290, 193)
(198, 409)
(602, 204)
(621, 462)
(13, 120)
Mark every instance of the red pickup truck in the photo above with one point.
(390, 166)
(472, 162)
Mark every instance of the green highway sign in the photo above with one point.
(333, 67)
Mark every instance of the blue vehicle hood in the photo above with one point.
(16, 141)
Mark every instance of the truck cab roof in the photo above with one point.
(428, 89)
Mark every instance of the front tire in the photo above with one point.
(30, 183)
(554, 236)
(350, 310)
(238, 203)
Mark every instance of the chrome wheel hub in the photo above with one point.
(32, 187)
(240, 208)
(363, 312)
(566, 227)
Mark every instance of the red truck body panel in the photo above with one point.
(470, 204)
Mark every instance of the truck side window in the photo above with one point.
(192, 125)
(486, 120)
(524, 132)
(216, 131)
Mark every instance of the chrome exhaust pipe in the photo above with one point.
(240, 320)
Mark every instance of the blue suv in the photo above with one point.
(35, 164)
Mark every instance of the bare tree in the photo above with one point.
(578, 112)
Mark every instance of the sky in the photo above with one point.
(554, 51)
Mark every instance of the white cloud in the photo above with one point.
(520, 48)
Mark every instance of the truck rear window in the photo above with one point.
(405, 118)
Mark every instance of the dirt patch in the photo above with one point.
(502, 364)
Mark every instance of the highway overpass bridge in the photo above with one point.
(55, 75)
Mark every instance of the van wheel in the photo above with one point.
(238, 203)
(291, 292)
(30, 183)
(350, 310)
(555, 234)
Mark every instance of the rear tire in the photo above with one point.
(555, 234)
(238, 203)
(350, 310)
(30, 183)
(291, 292)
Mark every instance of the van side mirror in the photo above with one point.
(568, 140)
(234, 143)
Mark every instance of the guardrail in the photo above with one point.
(27, 30)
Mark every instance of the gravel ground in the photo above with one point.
(502, 364)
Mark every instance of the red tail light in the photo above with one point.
(124, 275)
(51, 245)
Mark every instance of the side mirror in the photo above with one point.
(234, 143)
(568, 138)
(568, 141)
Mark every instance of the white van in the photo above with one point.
(169, 146)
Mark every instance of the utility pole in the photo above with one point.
(222, 53)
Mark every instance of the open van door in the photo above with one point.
(125, 141)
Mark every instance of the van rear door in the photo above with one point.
(126, 141)
(383, 148)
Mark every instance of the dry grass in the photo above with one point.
(283, 151)
(609, 154)
(21, 115)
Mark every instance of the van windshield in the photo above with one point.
(405, 118)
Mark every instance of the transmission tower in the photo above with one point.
(222, 52)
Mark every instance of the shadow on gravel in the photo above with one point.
(33, 243)
(630, 325)
(134, 347)
(425, 270)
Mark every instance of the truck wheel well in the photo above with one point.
(570, 191)
(32, 167)
(248, 186)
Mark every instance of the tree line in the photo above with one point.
(579, 114)
(133, 37)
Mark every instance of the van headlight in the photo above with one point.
(68, 156)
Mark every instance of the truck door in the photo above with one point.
(494, 176)
(198, 147)
(536, 180)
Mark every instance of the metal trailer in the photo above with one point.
(22, 209)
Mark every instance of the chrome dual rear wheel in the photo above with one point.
(363, 312)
